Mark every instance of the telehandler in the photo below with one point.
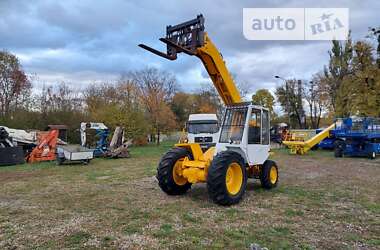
(244, 143)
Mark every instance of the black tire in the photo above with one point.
(315, 147)
(165, 172)
(60, 161)
(216, 178)
(372, 155)
(265, 177)
(338, 152)
(339, 149)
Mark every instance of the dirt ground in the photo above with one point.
(321, 203)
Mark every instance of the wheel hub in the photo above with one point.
(273, 175)
(177, 177)
(234, 178)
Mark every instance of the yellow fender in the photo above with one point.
(196, 169)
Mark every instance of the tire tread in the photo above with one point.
(217, 175)
(164, 172)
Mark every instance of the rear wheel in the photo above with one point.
(269, 174)
(227, 178)
(60, 160)
(372, 155)
(168, 169)
(338, 152)
(339, 148)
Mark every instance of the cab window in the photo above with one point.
(265, 128)
(233, 125)
(254, 130)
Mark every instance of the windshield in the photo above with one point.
(197, 127)
(233, 125)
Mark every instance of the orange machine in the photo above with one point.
(45, 150)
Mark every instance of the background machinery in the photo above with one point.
(357, 136)
(46, 147)
(301, 147)
(10, 153)
(74, 153)
(279, 132)
(329, 142)
(118, 147)
(101, 132)
(244, 143)
(203, 129)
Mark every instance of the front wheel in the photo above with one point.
(167, 172)
(227, 178)
(269, 174)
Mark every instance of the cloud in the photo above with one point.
(86, 41)
(259, 68)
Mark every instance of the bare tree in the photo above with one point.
(117, 104)
(290, 96)
(59, 98)
(156, 91)
(14, 84)
(316, 98)
(209, 100)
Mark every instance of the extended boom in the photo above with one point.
(190, 38)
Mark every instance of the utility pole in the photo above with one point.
(287, 96)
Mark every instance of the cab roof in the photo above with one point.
(202, 117)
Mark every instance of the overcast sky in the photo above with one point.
(86, 41)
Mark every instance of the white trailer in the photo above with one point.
(74, 153)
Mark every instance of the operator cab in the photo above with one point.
(246, 130)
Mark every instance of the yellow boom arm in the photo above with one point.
(189, 37)
(218, 72)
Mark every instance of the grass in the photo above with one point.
(320, 203)
(76, 239)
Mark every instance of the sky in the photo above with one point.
(81, 42)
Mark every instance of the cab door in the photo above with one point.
(258, 136)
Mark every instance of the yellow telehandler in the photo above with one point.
(243, 148)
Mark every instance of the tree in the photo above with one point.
(14, 84)
(316, 99)
(365, 81)
(375, 34)
(60, 104)
(339, 67)
(183, 104)
(352, 80)
(290, 97)
(205, 100)
(208, 100)
(264, 98)
(60, 97)
(117, 105)
(156, 89)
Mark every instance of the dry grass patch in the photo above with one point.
(321, 203)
